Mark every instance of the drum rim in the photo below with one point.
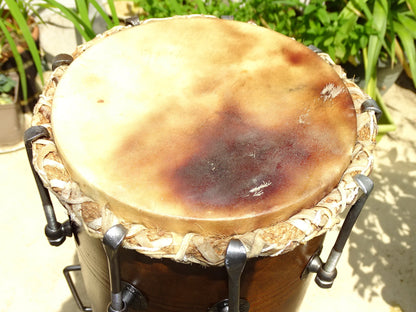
(192, 247)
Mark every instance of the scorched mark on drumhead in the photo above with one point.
(238, 163)
(298, 57)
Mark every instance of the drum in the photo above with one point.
(194, 133)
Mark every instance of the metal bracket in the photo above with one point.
(67, 271)
(223, 306)
(371, 105)
(133, 21)
(61, 59)
(314, 49)
(121, 298)
(235, 261)
(327, 272)
(54, 231)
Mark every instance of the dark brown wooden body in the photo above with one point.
(270, 284)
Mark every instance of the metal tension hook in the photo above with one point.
(54, 231)
(235, 261)
(123, 294)
(327, 272)
(371, 105)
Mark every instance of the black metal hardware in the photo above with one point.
(133, 21)
(327, 272)
(223, 306)
(235, 261)
(67, 271)
(61, 59)
(133, 297)
(121, 298)
(54, 231)
(314, 49)
(371, 105)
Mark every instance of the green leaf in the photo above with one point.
(331, 51)
(412, 5)
(113, 11)
(309, 9)
(341, 36)
(174, 7)
(408, 23)
(353, 49)
(409, 48)
(201, 6)
(6, 83)
(363, 42)
(323, 16)
(328, 41)
(21, 21)
(380, 12)
(80, 26)
(350, 12)
(82, 7)
(104, 15)
(340, 52)
(362, 4)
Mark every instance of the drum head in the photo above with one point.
(203, 125)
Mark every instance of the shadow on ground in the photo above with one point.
(383, 244)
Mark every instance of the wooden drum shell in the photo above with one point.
(269, 284)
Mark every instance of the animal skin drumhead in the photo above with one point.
(203, 125)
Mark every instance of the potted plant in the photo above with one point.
(11, 116)
(395, 23)
(369, 37)
(391, 45)
(18, 44)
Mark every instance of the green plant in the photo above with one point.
(271, 14)
(80, 15)
(362, 32)
(354, 31)
(6, 83)
(395, 25)
(14, 24)
(333, 27)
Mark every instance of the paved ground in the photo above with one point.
(376, 273)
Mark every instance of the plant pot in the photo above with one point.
(386, 77)
(11, 121)
(11, 125)
(386, 123)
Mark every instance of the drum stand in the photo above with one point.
(125, 295)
